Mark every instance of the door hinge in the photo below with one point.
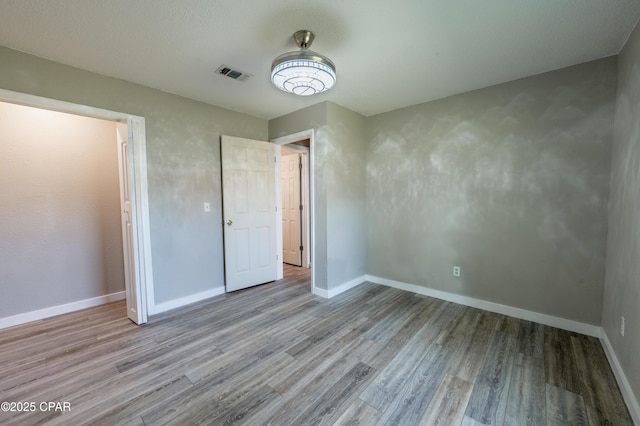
(301, 248)
(300, 166)
(300, 206)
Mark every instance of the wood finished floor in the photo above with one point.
(276, 354)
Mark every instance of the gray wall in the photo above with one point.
(60, 234)
(339, 188)
(183, 149)
(510, 182)
(622, 283)
(346, 195)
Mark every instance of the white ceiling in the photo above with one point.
(388, 54)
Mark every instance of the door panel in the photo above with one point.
(291, 235)
(240, 180)
(249, 212)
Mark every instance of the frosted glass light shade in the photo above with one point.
(303, 73)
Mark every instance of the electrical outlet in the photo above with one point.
(622, 325)
(456, 271)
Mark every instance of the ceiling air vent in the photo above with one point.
(233, 73)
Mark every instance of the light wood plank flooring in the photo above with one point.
(276, 354)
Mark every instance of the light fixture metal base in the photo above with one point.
(303, 38)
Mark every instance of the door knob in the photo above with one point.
(229, 222)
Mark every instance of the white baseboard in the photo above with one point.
(328, 294)
(565, 324)
(320, 292)
(625, 387)
(187, 300)
(59, 310)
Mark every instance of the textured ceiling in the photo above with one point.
(388, 54)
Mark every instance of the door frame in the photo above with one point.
(285, 140)
(137, 181)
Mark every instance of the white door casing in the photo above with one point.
(136, 312)
(306, 212)
(249, 211)
(291, 213)
(309, 228)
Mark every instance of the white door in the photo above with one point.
(249, 211)
(291, 213)
(135, 309)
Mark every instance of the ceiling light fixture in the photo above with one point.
(304, 72)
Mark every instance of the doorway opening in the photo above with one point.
(295, 204)
(295, 196)
(132, 176)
